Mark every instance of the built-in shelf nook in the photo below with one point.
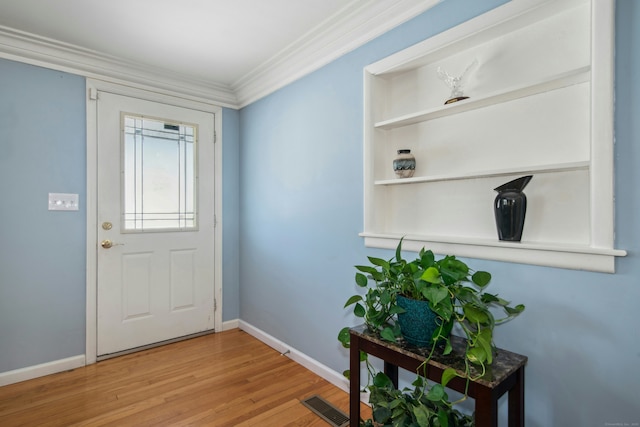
(540, 102)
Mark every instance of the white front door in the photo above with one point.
(155, 222)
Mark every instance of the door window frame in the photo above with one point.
(188, 221)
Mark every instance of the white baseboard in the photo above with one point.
(313, 365)
(230, 324)
(31, 372)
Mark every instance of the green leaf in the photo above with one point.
(514, 311)
(381, 380)
(477, 355)
(396, 309)
(399, 250)
(488, 298)
(366, 269)
(427, 259)
(344, 337)
(399, 413)
(431, 275)
(387, 334)
(422, 415)
(443, 418)
(395, 403)
(418, 382)
(475, 314)
(385, 297)
(396, 330)
(381, 414)
(347, 374)
(352, 300)
(484, 340)
(377, 276)
(481, 278)
(447, 348)
(361, 280)
(379, 262)
(466, 294)
(435, 294)
(359, 310)
(436, 393)
(444, 309)
(447, 376)
(453, 270)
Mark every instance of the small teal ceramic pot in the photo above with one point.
(418, 322)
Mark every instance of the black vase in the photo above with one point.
(510, 208)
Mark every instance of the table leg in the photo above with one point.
(391, 371)
(354, 382)
(486, 410)
(516, 401)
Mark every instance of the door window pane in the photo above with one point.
(159, 178)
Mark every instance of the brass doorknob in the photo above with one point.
(108, 244)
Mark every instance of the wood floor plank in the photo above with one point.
(226, 379)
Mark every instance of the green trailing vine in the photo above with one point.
(457, 295)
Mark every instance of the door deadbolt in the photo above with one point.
(107, 225)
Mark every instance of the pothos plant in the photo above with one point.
(456, 294)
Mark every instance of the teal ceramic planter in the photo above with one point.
(418, 322)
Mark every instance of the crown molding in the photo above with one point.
(353, 26)
(41, 51)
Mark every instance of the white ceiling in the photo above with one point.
(236, 49)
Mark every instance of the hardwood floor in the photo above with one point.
(224, 379)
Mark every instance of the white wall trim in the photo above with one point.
(31, 372)
(297, 356)
(93, 88)
(230, 324)
(355, 25)
(41, 51)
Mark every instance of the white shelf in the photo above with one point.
(546, 110)
(581, 257)
(540, 246)
(557, 167)
(580, 75)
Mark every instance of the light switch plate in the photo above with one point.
(63, 202)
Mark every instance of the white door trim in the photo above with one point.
(93, 87)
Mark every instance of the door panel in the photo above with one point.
(136, 286)
(183, 284)
(155, 207)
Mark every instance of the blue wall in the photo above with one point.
(230, 214)
(301, 211)
(42, 261)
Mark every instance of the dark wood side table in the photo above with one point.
(506, 374)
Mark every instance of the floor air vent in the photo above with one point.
(326, 411)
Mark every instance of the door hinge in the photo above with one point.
(215, 136)
(93, 93)
(215, 304)
(215, 221)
